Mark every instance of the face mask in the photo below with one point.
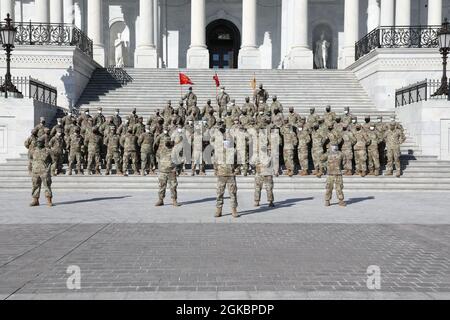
(117, 113)
(146, 130)
(59, 123)
(69, 114)
(300, 129)
(58, 134)
(372, 128)
(99, 112)
(165, 132)
(353, 121)
(86, 113)
(179, 130)
(346, 112)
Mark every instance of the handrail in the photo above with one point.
(397, 37)
(35, 89)
(58, 34)
(420, 91)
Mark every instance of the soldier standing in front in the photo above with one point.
(335, 160)
(41, 173)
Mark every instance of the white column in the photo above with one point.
(249, 55)
(145, 55)
(351, 31)
(56, 11)
(198, 54)
(69, 12)
(373, 15)
(95, 29)
(41, 11)
(434, 12)
(402, 13)
(300, 55)
(7, 6)
(387, 13)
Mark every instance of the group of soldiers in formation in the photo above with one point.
(327, 144)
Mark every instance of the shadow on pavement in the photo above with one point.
(357, 200)
(90, 200)
(210, 199)
(282, 204)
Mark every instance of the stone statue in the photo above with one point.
(119, 45)
(321, 57)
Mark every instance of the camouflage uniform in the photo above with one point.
(261, 96)
(372, 152)
(99, 118)
(264, 177)
(276, 106)
(167, 172)
(304, 140)
(329, 116)
(317, 151)
(394, 138)
(112, 142)
(312, 119)
(57, 147)
(335, 159)
(41, 173)
(289, 143)
(249, 107)
(129, 144)
(360, 151)
(347, 149)
(145, 142)
(30, 144)
(222, 101)
(76, 143)
(93, 143)
(190, 98)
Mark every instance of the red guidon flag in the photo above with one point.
(184, 79)
(216, 80)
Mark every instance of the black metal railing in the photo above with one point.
(119, 74)
(420, 91)
(35, 89)
(58, 34)
(397, 37)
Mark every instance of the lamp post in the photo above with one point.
(7, 37)
(444, 48)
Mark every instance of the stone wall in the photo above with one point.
(17, 118)
(66, 68)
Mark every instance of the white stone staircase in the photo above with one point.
(151, 88)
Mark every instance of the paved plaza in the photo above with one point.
(127, 249)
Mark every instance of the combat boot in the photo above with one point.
(377, 172)
(348, 173)
(218, 213)
(143, 173)
(303, 173)
(202, 173)
(363, 174)
(160, 203)
(70, 172)
(371, 173)
(175, 203)
(290, 173)
(342, 203)
(98, 173)
(271, 204)
(49, 202)
(107, 172)
(327, 203)
(388, 173)
(234, 213)
(34, 202)
(398, 174)
(256, 203)
(193, 173)
(319, 174)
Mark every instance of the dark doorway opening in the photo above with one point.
(223, 40)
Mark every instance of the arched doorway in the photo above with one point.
(223, 40)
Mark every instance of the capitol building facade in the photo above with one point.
(245, 34)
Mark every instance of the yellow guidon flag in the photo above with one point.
(253, 83)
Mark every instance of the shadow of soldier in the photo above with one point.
(90, 200)
(357, 200)
(278, 205)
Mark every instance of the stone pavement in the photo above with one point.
(127, 249)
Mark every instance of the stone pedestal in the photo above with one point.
(300, 58)
(197, 58)
(249, 58)
(145, 57)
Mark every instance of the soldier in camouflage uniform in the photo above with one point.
(41, 167)
(76, 143)
(276, 105)
(145, 142)
(58, 126)
(167, 112)
(224, 158)
(222, 99)
(40, 127)
(293, 117)
(372, 151)
(133, 117)
(360, 150)
(289, 143)
(94, 144)
(347, 118)
(57, 147)
(261, 96)
(394, 137)
(129, 145)
(264, 175)
(335, 159)
(304, 139)
(329, 116)
(117, 119)
(312, 119)
(349, 141)
(249, 107)
(99, 118)
(167, 171)
(112, 142)
(190, 98)
(30, 144)
(317, 150)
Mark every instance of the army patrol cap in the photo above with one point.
(41, 119)
(40, 142)
(117, 110)
(169, 102)
(100, 109)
